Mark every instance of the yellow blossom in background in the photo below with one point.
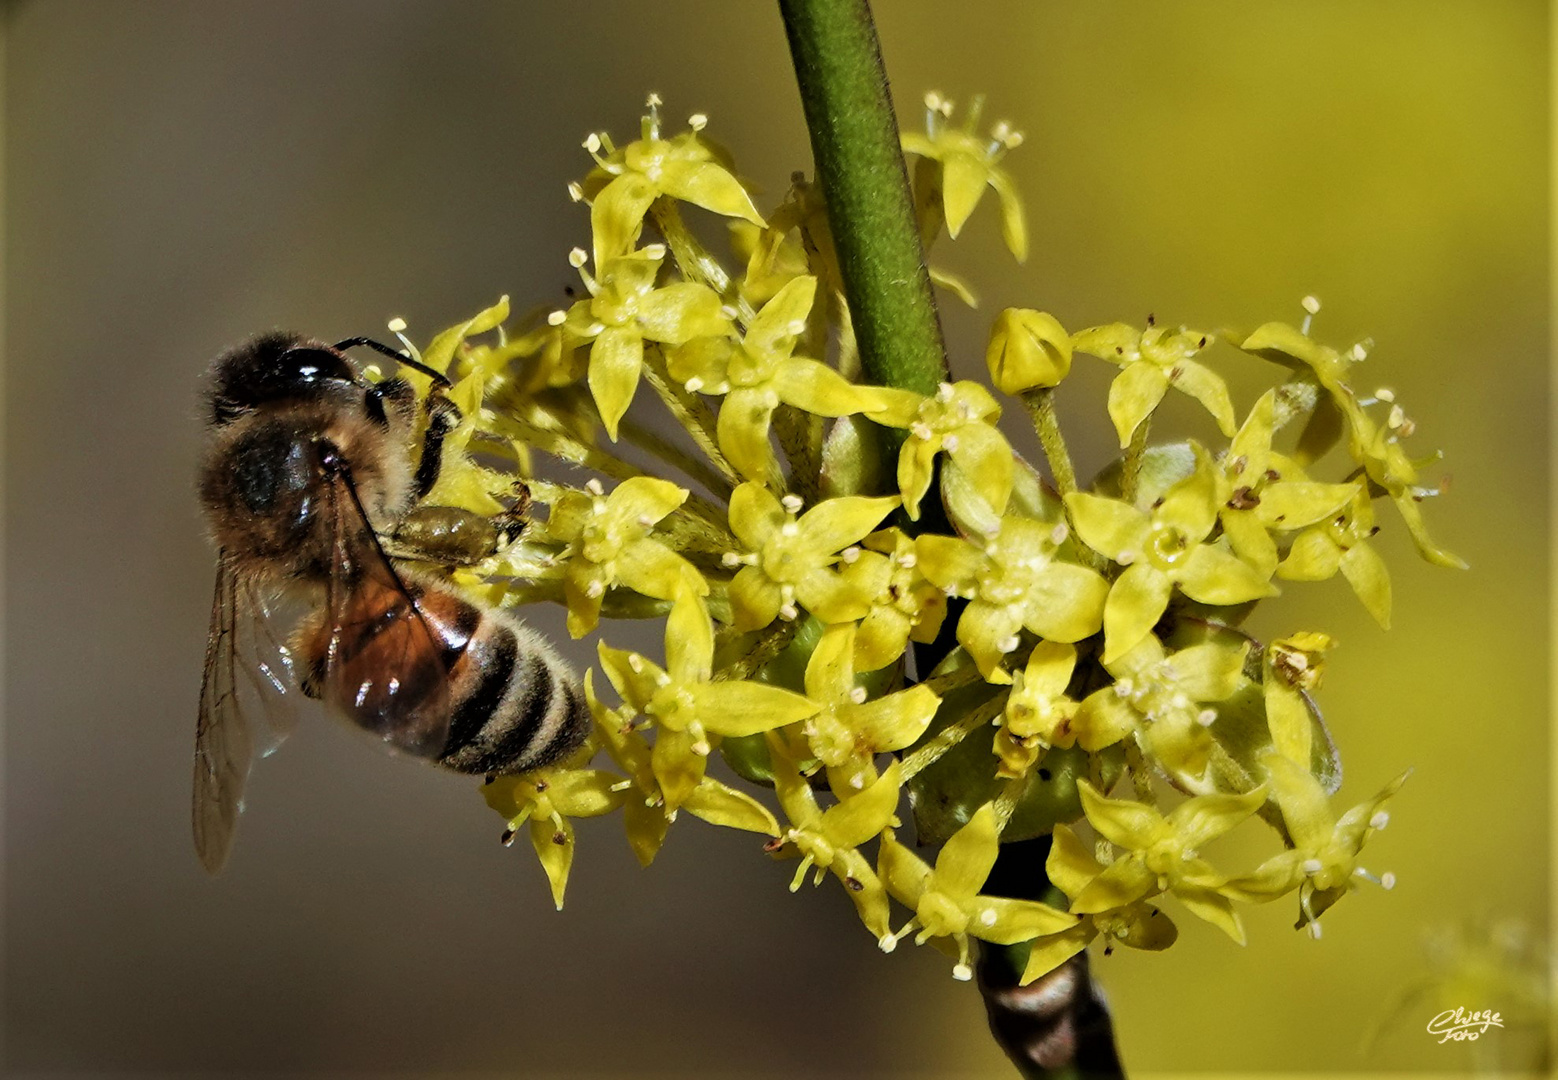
(968, 163)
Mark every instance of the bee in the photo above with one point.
(307, 465)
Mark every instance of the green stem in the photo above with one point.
(854, 138)
(1041, 406)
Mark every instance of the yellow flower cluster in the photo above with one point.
(854, 663)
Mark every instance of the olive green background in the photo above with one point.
(180, 175)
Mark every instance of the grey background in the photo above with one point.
(180, 175)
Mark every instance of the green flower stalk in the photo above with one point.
(1068, 634)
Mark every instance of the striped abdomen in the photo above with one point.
(471, 688)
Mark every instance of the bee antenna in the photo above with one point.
(378, 346)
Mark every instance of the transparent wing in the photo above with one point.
(390, 641)
(248, 701)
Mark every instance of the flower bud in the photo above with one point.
(1028, 350)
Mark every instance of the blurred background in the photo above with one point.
(180, 175)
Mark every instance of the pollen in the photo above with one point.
(556, 318)
(792, 504)
(578, 257)
(1311, 305)
(698, 121)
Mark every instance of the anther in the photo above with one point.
(1312, 866)
(594, 486)
(575, 192)
(557, 318)
(850, 555)
(693, 385)
(792, 503)
(698, 121)
(858, 695)
(1314, 930)
(1380, 819)
(655, 251)
(730, 559)
(592, 143)
(578, 257)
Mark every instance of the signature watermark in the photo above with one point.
(1463, 1026)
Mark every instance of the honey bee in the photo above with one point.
(308, 463)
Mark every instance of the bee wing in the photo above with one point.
(391, 642)
(247, 701)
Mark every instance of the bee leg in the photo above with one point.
(511, 523)
(442, 416)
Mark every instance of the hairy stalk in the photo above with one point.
(854, 138)
(1041, 406)
(928, 753)
(694, 415)
(692, 258)
(653, 442)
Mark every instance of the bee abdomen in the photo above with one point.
(524, 708)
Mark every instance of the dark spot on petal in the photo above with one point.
(1045, 774)
(1176, 373)
(1152, 320)
(1119, 350)
(854, 884)
(773, 845)
(1374, 530)
(1273, 474)
(560, 838)
(1157, 502)
(1202, 343)
(1244, 498)
(542, 785)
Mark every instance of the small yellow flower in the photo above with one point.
(850, 731)
(959, 419)
(905, 605)
(757, 374)
(1162, 854)
(1153, 361)
(1261, 492)
(1015, 579)
(625, 310)
(969, 164)
(1291, 668)
(1323, 862)
(1038, 713)
(627, 180)
(1375, 447)
(789, 560)
(547, 798)
(946, 900)
(1071, 868)
(1342, 543)
(1162, 699)
(687, 705)
(829, 839)
(1159, 550)
(609, 544)
(644, 812)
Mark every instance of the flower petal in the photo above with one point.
(1133, 394)
(1136, 603)
(1108, 526)
(746, 708)
(1207, 387)
(1214, 576)
(617, 215)
(1365, 571)
(754, 599)
(967, 858)
(616, 359)
(742, 428)
(835, 524)
(1004, 921)
(755, 515)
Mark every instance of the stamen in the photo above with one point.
(557, 318)
(858, 695)
(792, 503)
(655, 251)
(1380, 819)
(575, 192)
(788, 612)
(594, 486)
(693, 385)
(730, 560)
(578, 257)
(698, 121)
(850, 555)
